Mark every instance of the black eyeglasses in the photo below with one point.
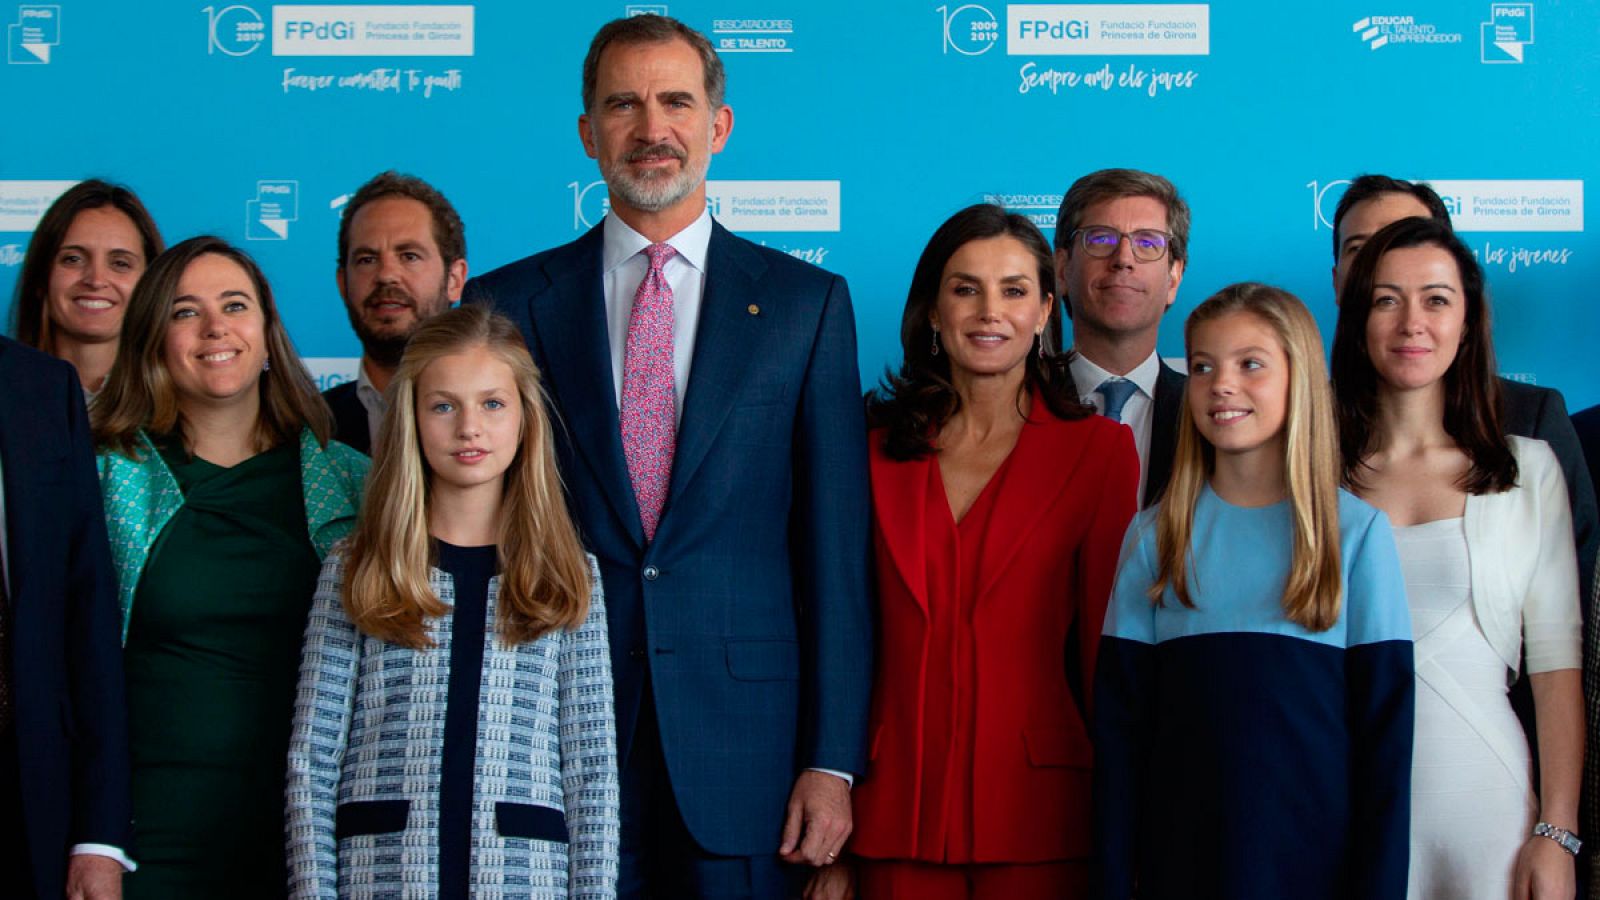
(1099, 241)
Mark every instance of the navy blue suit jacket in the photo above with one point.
(748, 616)
(1170, 407)
(66, 675)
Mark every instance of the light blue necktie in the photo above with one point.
(1115, 392)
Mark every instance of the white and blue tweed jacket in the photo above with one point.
(364, 760)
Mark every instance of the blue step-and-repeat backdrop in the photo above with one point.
(858, 128)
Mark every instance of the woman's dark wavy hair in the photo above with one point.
(30, 315)
(1472, 402)
(914, 403)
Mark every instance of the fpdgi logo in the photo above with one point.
(234, 30)
(1059, 29)
(970, 30)
(322, 29)
(10, 255)
(28, 42)
(1509, 29)
(267, 216)
(1099, 29)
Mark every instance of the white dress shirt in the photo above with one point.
(372, 400)
(5, 573)
(1136, 413)
(623, 264)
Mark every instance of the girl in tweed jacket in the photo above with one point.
(453, 730)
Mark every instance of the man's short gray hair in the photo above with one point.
(653, 29)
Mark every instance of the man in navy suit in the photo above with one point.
(1122, 240)
(714, 453)
(64, 808)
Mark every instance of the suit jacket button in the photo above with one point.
(651, 573)
(636, 653)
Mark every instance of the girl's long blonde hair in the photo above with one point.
(544, 573)
(1314, 591)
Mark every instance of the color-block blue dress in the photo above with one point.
(1237, 754)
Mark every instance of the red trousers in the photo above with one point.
(896, 880)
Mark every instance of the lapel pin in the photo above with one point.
(754, 309)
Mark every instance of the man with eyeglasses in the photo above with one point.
(1121, 241)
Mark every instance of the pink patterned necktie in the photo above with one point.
(649, 403)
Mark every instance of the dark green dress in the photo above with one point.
(212, 659)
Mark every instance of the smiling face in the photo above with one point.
(394, 278)
(1118, 298)
(469, 418)
(1418, 317)
(991, 308)
(92, 277)
(216, 339)
(1239, 385)
(652, 129)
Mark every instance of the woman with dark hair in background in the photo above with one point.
(1484, 530)
(1000, 502)
(223, 494)
(88, 252)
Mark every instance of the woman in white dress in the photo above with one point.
(1485, 537)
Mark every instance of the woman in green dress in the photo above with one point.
(223, 493)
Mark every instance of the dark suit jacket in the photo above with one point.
(1587, 425)
(1169, 406)
(748, 616)
(1163, 428)
(1539, 412)
(349, 417)
(1055, 531)
(66, 676)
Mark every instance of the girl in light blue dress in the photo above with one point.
(1253, 708)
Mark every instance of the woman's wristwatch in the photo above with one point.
(1568, 841)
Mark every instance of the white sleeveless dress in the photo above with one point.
(1472, 801)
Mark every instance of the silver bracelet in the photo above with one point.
(1568, 841)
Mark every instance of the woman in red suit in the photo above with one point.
(1000, 503)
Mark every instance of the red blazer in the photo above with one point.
(1061, 514)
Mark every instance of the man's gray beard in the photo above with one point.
(654, 195)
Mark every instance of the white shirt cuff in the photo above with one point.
(849, 780)
(115, 853)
